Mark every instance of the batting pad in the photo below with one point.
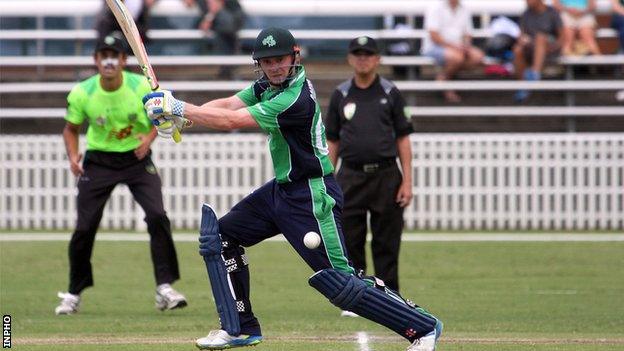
(210, 248)
(351, 293)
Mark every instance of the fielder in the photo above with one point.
(118, 151)
(303, 197)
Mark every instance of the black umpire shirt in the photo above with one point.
(368, 121)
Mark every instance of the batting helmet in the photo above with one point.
(273, 42)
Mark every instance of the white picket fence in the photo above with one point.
(461, 181)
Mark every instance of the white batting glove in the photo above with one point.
(165, 112)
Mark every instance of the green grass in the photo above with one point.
(519, 296)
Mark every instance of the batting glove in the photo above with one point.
(165, 112)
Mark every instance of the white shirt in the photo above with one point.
(451, 24)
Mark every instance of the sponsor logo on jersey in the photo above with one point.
(383, 101)
(100, 121)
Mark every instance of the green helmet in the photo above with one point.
(273, 42)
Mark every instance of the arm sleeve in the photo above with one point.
(266, 112)
(75, 106)
(248, 96)
(332, 120)
(468, 22)
(432, 21)
(400, 116)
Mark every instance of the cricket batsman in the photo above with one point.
(303, 197)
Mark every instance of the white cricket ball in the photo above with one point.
(312, 240)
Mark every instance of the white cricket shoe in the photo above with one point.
(220, 340)
(69, 303)
(167, 298)
(348, 314)
(427, 342)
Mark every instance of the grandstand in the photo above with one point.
(44, 51)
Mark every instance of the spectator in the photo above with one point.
(618, 20)
(541, 37)
(577, 16)
(224, 18)
(105, 22)
(449, 41)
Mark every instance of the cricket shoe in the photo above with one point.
(221, 340)
(427, 342)
(167, 298)
(69, 303)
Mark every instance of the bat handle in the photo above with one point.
(176, 136)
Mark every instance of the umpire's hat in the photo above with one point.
(273, 42)
(364, 43)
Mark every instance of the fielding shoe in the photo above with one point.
(221, 340)
(167, 298)
(69, 304)
(427, 342)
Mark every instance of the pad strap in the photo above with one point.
(375, 303)
(211, 249)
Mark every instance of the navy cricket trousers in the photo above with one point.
(292, 209)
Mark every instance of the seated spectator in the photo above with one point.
(105, 22)
(449, 41)
(540, 39)
(224, 18)
(617, 21)
(578, 16)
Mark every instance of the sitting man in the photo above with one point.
(449, 42)
(540, 39)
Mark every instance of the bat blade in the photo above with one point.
(131, 32)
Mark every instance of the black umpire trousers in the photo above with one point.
(373, 190)
(94, 189)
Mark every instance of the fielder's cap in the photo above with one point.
(111, 42)
(364, 43)
(273, 42)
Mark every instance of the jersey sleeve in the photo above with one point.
(247, 95)
(432, 19)
(266, 112)
(332, 120)
(75, 106)
(400, 116)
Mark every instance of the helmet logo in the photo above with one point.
(269, 41)
(362, 40)
(109, 40)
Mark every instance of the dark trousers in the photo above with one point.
(292, 209)
(94, 189)
(373, 192)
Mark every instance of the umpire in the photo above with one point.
(367, 127)
(118, 151)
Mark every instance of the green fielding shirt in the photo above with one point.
(115, 118)
(292, 117)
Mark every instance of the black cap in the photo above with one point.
(364, 43)
(273, 42)
(111, 42)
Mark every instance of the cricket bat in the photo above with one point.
(131, 32)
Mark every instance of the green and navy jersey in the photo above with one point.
(292, 118)
(115, 118)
